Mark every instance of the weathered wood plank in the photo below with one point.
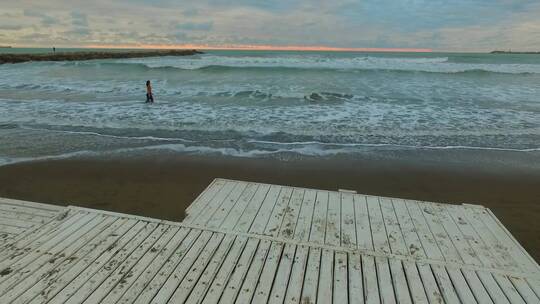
(363, 227)
(232, 261)
(168, 269)
(254, 249)
(298, 273)
(201, 247)
(318, 227)
(265, 211)
(341, 277)
(251, 280)
(241, 191)
(105, 264)
(277, 295)
(49, 287)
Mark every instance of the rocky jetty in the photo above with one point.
(76, 56)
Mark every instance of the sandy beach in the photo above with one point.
(163, 187)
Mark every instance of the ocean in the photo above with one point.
(285, 105)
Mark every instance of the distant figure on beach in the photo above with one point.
(54, 50)
(149, 96)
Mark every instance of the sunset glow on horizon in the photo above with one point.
(258, 48)
(299, 25)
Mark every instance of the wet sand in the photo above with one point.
(163, 187)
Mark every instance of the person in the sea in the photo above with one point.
(149, 96)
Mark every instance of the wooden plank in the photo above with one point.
(445, 284)
(168, 269)
(425, 235)
(19, 220)
(48, 288)
(298, 273)
(164, 255)
(348, 225)
(122, 280)
(11, 229)
(495, 247)
(509, 290)
(241, 192)
(303, 224)
(12, 253)
(444, 241)
(492, 287)
(35, 205)
(32, 236)
(525, 262)
(460, 285)
(363, 227)
(25, 290)
(281, 281)
(265, 211)
(232, 260)
(393, 230)
(201, 247)
(213, 205)
(524, 290)
(199, 291)
(410, 236)
(274, 223)
(356, 288)
(217, 246)
(311, 281)
(264, 284)
(416, 286)
(385, 280)
(251, 251)
(27, 210)
(202, 200)
(333, 220)
(95, 293)
(460, 242)
(84, 284)
(318, 228)
(430, 283)
(251, 208)
(251, 280)
(370, 282)
(290, 216)
(470, 234)
(340, 287)
(480, 293)
(326, 277)
(378, 230)
(534, 284)
(248, 206)
(52, 247)
(399, 281)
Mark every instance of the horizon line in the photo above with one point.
(253, 47)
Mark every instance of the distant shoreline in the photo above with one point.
(511, 52)
(76, 56)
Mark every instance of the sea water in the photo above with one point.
(271, 104)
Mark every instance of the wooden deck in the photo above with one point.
(257, 243)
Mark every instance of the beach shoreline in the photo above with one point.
(162, 187)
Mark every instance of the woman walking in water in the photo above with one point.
(149, 96)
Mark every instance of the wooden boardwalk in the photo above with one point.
(257, 243)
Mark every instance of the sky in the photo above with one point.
(441, 25)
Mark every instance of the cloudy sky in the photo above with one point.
(453, 25)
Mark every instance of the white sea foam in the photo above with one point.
(363, 62)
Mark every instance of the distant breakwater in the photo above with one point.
(76, 56)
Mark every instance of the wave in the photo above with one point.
(306, 149)
(212, 63)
